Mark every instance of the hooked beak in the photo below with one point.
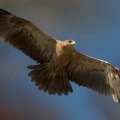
(74, 43)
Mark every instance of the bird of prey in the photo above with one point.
(58, 61)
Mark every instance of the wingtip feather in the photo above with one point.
(116, 97)
(3, 11)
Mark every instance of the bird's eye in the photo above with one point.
(70, 41)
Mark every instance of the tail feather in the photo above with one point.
(37, 69)
(39, 75)
(58, 86)
(36, 66)
(33, 66)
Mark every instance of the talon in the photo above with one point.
(52, 75)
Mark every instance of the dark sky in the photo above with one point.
(94, 25)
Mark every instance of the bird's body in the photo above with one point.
(58, 61)
(61, 57)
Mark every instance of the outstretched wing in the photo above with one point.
(25, 36)
(95, 74)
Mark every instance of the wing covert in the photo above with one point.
(26, 37)
(95, 74)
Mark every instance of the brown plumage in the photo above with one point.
(58, 61)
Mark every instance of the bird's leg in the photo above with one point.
(59, 71)
(52, 75)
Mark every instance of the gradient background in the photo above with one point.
(94, 25)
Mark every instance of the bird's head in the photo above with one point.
(66, 44)
(69, 42)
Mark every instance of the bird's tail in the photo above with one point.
(39, 75)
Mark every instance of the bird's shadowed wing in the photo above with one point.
(95, 74)
(25, 36)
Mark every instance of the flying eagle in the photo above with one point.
(58, 61)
